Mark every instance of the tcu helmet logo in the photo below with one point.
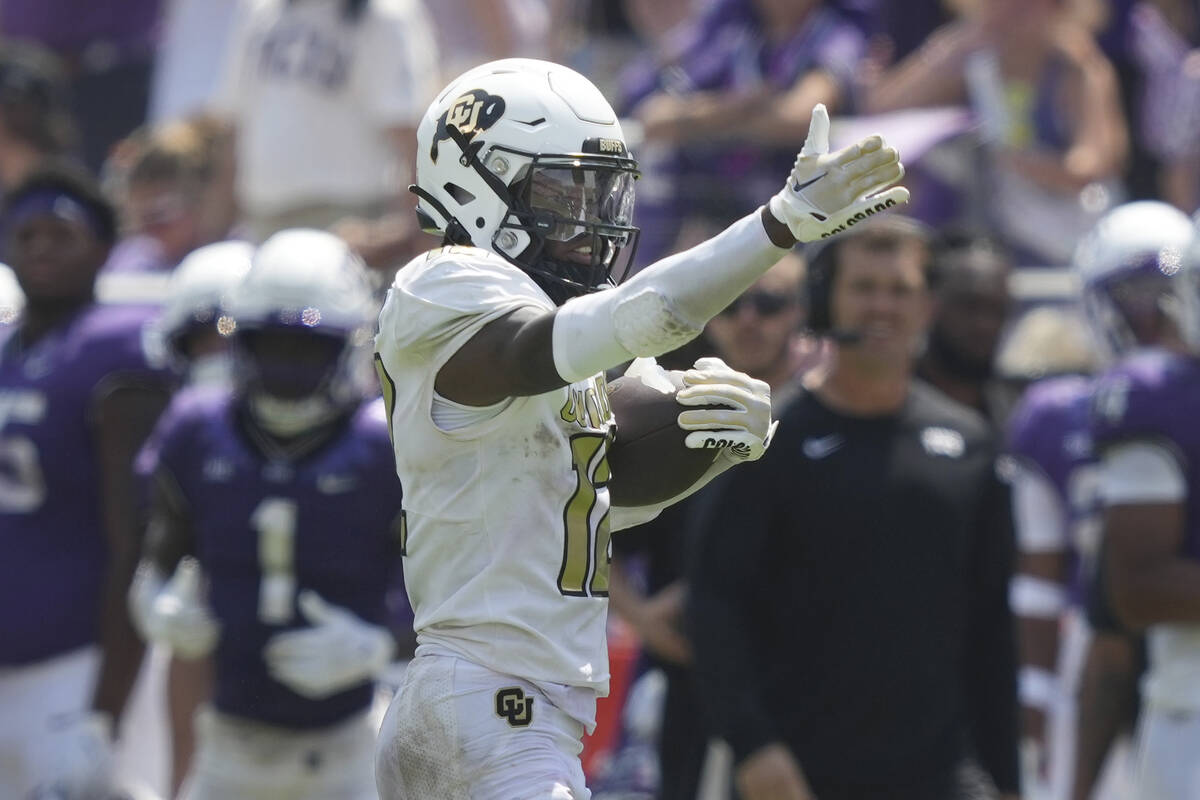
(470, 113)
(513, 705)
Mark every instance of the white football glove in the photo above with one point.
(83, 757)
(175, 614)
(339, 650)
(742, 426)
(829, 192)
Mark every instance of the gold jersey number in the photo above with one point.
(586, 556)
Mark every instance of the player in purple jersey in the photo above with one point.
(1147, 447)
(1056, 526)
(77, 397)
(187, 337)
(1057, 513)
(283, 491)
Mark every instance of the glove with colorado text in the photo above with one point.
(829, 192)
(727, 409)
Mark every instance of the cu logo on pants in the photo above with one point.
(513, 705)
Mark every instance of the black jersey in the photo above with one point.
(849, 598)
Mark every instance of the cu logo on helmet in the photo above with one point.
(470, 113)
(513, 705)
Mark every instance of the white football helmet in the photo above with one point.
(195, 291)
(1130, 265)
(527, 159)
(307, 291)
(12, 299)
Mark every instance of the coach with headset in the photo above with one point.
(849, 610)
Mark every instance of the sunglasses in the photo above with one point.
(765, 304)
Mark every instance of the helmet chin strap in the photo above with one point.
(282, 417)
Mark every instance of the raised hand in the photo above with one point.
(829, 192)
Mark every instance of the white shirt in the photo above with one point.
(313, 96)
(191, 56)
(507, 548)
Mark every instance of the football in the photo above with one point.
(648, 460)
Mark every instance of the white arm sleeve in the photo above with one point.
(665, 305)
(1141, 472)
(1038, 512)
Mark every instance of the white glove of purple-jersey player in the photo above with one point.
(741, 424)
(174, 614)
(83, 757)
(337, 652)
(828, 192)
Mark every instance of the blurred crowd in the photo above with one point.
(1021, 124)
(207, 121)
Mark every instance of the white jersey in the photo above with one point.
(507, 519)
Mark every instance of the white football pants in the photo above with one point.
(458, 731)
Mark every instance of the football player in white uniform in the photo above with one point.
(492, 352)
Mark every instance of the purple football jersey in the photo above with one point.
(267, 529)
(1152, 396)
(1050, 432)
(55, 548)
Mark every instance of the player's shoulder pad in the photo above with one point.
(191, 407)
(176, 433)
(465, 279)
(1046, 412)
(114, 338)
(1149, 394)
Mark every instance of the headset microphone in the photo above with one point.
(845, 336)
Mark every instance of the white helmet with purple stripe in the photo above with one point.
(302, 317)
(1131, 266)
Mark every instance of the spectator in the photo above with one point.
(759, 334)
(855, 642)
(281, 487)
(82, 397)
(107, 48)
(720, 117)
(35, 120)
(473, 31)
(168, 179)
(192, 52)
(968, 279)
(902, 28)
(1049, 114)
(1164, 46)
(324, 97)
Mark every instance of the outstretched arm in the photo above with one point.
(667, 304)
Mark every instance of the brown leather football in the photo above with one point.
(648, 460)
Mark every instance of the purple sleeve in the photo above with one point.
(1041, 423)
(173, 439)
(1139, 399)
(113, 341)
